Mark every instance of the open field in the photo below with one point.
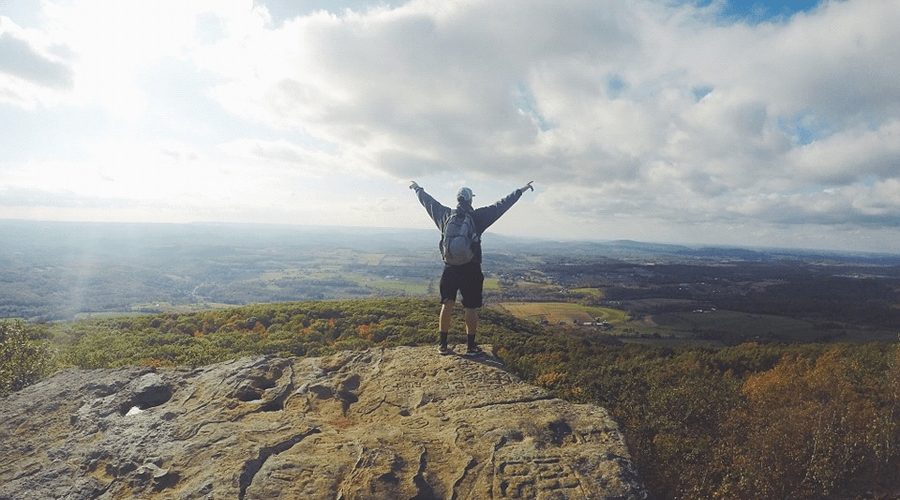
(713, 321)
(731, 327)
(562, 312)
(593, 292)
(713, 327)
(392, 284)
(531, 285)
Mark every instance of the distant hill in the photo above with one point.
(62, 270)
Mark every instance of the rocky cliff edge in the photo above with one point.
(402, 423)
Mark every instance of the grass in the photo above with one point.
(713, 327)
(733, 322)
(562, 312)
(733, 326)
(411, 288)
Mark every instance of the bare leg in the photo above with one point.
(471, 322)
(471, 327)
(446, 316)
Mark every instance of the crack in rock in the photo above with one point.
(252, 466)
(463, 476)
(425, 491)
(514, 401)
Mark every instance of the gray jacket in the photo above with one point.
(483, 217)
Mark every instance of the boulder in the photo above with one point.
(400, 423)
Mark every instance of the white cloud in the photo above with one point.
(850, 155)
(33, 70)
(654, 116)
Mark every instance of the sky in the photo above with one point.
(713, 122)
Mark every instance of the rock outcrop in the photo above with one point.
(401, 423)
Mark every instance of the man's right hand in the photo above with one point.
(414, 186)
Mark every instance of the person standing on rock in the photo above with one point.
(461, 229)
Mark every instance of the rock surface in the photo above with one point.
(403, 423)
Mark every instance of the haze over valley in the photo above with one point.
(62, 271)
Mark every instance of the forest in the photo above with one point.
(775, 420)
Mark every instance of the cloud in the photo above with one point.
(425, 81)
(850, 156)
(638, 114)
(287, 159)
(18, 58)
(443, 85)
(32, 68)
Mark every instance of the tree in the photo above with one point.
(22, 360)
(807, 430)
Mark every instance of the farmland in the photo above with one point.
(556, 313)
(642, 292)
(707, 327)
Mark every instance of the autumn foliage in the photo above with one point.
(749, 422)
(814, 428)
(797, 421)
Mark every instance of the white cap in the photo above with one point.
(464, 194)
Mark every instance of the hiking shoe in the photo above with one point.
(444, 350)
(474, 350)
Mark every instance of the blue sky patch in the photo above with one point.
(758, 11)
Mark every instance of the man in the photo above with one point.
(465, 278)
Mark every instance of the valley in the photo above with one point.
(632, 291)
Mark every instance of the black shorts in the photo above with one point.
(466, 279)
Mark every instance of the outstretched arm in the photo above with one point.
(435, 210)
(485, 216)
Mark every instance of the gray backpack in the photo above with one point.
(458, 241)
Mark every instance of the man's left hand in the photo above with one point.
(526, 187)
